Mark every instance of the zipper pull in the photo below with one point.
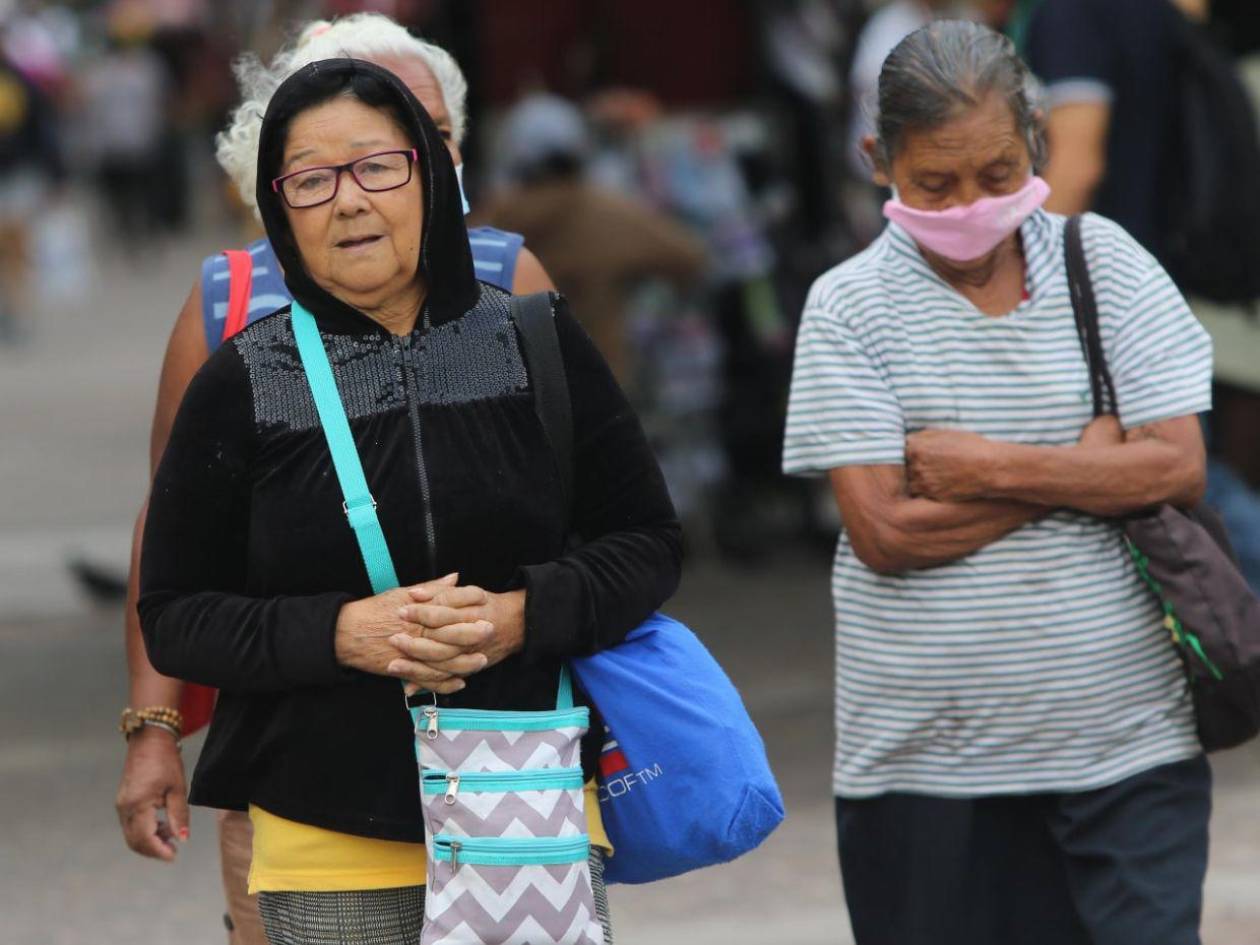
(452, 787)
(430, 712)
(456, 846)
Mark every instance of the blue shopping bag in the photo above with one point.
(684, 780)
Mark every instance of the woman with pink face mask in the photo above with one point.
(1016, 759)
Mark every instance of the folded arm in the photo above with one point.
(892, 531)
(1109, 473)
(1151, 465)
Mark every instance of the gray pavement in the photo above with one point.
(74, 412)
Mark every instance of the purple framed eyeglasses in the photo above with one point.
(311, 186)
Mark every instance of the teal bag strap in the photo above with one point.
(564, 693)
(359, 506)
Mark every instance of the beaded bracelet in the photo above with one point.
(159, 716)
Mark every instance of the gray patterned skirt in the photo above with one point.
(373, 916)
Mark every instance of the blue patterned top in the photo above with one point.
(494, 257)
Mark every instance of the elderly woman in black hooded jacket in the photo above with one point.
(252, 580)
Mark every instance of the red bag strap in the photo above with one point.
(197, 702)
(240, 282)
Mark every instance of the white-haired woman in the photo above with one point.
(153, 774)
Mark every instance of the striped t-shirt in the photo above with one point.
(1038, 663)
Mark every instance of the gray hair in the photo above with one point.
(947, 67)
(360, 36)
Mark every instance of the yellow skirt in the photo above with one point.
(294, 857)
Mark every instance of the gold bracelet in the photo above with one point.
(160, 716)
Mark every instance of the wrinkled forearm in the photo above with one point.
(1107, 481)
(922, 533)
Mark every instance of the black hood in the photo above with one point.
(445, 258)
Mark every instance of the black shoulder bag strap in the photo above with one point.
(1086, 310)
(535, 322)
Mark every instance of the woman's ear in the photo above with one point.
(870, 148)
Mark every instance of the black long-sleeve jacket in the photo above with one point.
(248, 557)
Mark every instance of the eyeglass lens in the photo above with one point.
(375, 172)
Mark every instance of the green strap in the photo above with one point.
(1180, 635)
(359, 506)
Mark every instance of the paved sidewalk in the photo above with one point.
(66, 879)
(75, 404)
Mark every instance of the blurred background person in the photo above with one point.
(638, 214)
(1135, 134)
(596, 244)
(888, 25)
(124, 102)
(31, 168)
(1110, 70)
(806, 45)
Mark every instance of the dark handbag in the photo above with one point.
(1184, 556)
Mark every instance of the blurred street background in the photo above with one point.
(728, 123)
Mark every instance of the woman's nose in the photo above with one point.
(350, 198)
(970, 191)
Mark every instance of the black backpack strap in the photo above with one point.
(535, 322)
(1086, 310)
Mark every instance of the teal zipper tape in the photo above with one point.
(510, 851)
(473, 720)
(539, 779)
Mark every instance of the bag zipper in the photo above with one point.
(495, 782)
(488, 720)
(510, 851)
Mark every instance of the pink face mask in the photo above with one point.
(966, 233)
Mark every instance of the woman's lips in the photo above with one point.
(357, 242)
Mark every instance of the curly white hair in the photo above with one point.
(359, 36)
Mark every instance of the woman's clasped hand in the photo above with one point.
(951, 465)
(431, 635)
(948, 465)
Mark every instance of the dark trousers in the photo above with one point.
(1122, 865)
